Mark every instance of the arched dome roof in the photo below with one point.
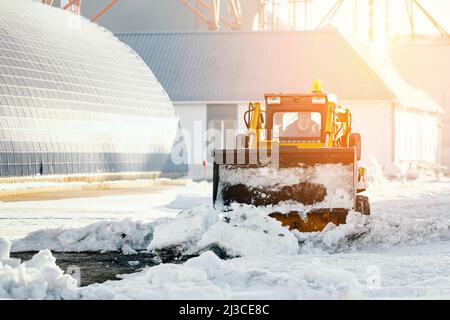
(73, 98)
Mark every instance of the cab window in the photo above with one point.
(297, 125)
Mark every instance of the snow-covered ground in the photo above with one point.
(401, 251)
(17, 219)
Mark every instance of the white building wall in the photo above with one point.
(242, 107)
(374, 121)
(193, 124)
(417, 136)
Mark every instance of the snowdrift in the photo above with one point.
(126, 236)
(208, 277)
(248, 231)
(245, 231)
(203, 277)
(38, 278)
(406, 239)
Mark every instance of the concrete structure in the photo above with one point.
(211, 77)
(74, 99)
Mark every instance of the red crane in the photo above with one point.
(74, 6)
(209, 12)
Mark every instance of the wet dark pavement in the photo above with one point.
(96, 267)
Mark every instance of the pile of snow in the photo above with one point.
(189, 233)
(208, 277)
(38, 278)
(423, 170)
(126, 236)
(246, 230)
(401, 171)
(400, 215)
(335, 238)
(279, 177)
(336, 178)
(383, 230)
(374, 171)
(394, 171)
(184, 231)
(409, 217)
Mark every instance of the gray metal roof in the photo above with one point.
(242, 66)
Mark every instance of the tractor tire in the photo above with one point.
(362, 204)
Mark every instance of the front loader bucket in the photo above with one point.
(319, 183)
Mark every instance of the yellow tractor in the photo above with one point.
(298, 157)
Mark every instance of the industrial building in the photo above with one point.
(74, 99)
(64, 86)
(361, 18)
(212, 76)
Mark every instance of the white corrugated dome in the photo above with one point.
(73, 98)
